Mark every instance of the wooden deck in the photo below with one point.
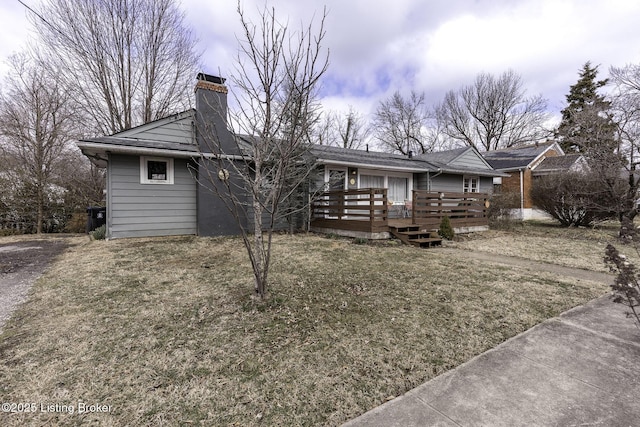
(366, 213)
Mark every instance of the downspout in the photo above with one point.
(429, 178)
(522, 194)
(108, 200)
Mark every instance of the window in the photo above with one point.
(497, 184)
(398, 189)
(470, 184)
(156, 170)
(371, 181)
(336, 179)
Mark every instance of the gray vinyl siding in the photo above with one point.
(453, 183)
(446, 183)
(486, 184)
(173, 130)
(137, 210)
(469, 159)
(421, 181)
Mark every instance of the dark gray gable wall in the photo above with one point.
(214, 217)
(136, 210)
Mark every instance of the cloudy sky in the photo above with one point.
(433, 46)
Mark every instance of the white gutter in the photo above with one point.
(429, 178)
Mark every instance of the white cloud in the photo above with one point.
(15, 32)
(379, 47)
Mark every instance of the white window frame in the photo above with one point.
(327, 176)
(144, 170)
(409, 189)
(470, 178)
(386, 175)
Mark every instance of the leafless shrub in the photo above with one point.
(500, 209)
(626, 287)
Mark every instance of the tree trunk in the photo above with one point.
(628, 233)
(258, 264)
(40, 209)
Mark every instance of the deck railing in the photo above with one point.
(355, 210)
(463, 209)
(367, 210)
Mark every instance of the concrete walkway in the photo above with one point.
(579, 369)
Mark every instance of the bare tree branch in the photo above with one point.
(400, 124)
(126, 63)
(493, 113)
(36, 126)
(275, 82)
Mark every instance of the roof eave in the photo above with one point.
(477, 172)
(97, 147)
(95, 150)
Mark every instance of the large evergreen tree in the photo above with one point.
(587, 124)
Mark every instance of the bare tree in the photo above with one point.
(625, 109)
(351, 128)
(346, 130)
(36, 126)
(493, 113)
(323, 130)
(125, 62)
(276, 78)
(625, 106)
(400, 124)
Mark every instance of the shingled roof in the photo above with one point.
(428, 162)
(328, 154)
(516, 157)
(558, 164)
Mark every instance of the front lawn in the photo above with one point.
(164, 331)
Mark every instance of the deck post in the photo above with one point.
(414, 203)
(371, 207)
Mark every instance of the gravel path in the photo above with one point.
(21, 264)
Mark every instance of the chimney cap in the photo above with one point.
(210, 78)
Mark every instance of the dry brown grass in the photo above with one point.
(547, 242)
(166, 333)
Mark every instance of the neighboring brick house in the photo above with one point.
(521, 163)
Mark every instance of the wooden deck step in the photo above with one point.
(416, 233)
(426, 242)
(413, 235)
(405, 228)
